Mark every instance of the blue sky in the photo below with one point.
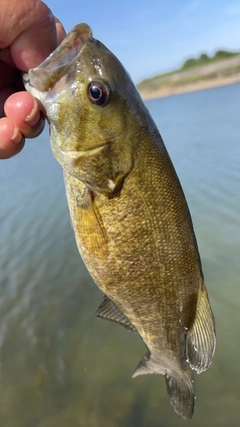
(155, 36)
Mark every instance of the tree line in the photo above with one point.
(204, 58)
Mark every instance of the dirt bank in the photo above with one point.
(219, 73)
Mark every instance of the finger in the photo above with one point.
(8, 75)
(6, 52)
(29, 29)
(11, 139)
(23, 111)
(4, 94)
(61, 33)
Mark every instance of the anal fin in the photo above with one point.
(109, 310)
(201, 337)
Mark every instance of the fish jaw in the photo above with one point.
(55, 78)
(49, 72)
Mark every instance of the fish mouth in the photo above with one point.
(49, 72)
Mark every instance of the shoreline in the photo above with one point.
(191, 87)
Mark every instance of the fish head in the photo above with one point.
(93, 108)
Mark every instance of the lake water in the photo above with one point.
(59, 364)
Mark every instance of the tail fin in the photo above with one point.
(180, 388)
(181, 394)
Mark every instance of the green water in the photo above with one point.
(59, 364)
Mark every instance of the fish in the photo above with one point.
(128, 211)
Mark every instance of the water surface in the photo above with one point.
(59, 364)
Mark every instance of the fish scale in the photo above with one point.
(129, 215)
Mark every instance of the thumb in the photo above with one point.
(37, 39)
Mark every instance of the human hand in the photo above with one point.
(28, 34)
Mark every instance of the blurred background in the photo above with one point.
(59, 364)
(155, 36)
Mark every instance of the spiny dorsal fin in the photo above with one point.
(201, 337)
(109, 310)
(181, 394)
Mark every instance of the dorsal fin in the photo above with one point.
(201, 338)
(109, 310)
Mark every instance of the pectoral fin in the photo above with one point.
(109, 310)
(86, 219)
(201, 338)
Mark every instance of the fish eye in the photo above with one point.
(98, 93)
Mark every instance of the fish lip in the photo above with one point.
(52, 69)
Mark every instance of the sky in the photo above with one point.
(155, 36)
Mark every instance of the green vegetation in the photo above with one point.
(204, 59)
(194, 70)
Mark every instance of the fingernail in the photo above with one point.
(33, 118)
(17, 137)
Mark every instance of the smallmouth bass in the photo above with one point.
(128, 211)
